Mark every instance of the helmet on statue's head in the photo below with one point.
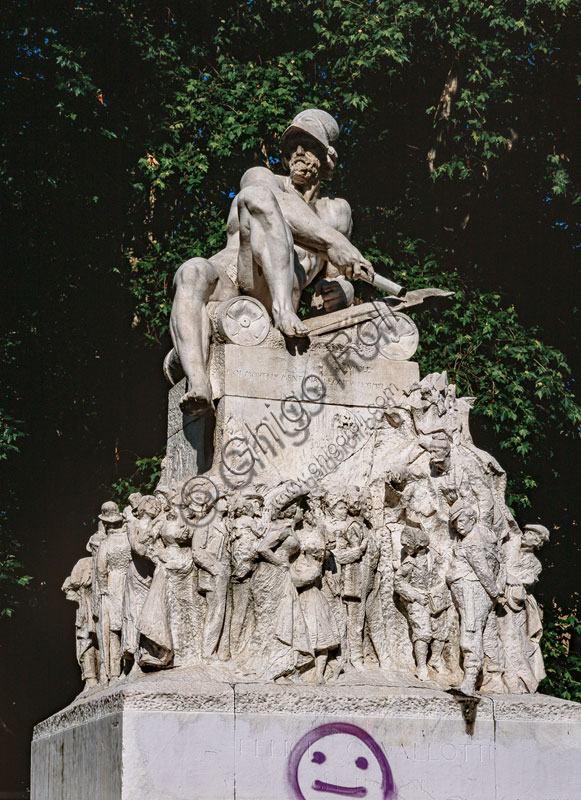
(322, 127)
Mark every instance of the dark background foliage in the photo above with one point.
(125, 126)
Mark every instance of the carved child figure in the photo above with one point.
(78, 588)
(423, 592)
(476, 582)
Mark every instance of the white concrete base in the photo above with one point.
(170, 736)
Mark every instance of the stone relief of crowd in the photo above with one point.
(294, 591)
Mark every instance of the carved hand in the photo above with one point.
(348, 260)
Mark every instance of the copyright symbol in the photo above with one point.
(199, 493)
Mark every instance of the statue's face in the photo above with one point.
(440, 449)
(256, 506)
(340, 510)
(531, 539)
(465, 521)
(221, 505)
(305, 156)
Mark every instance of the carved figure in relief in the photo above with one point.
(247, 529)
(93, 548)
(280, 644)
(163, 495)
(288, 586)
(282, 233)
(306, 573)
(421, 587)
(113, 560)
(140, 534)
(357, 551)
(521, 625)
(334, 515)
(211, 554)
(476, 582)
(175, 595)
(78, 588)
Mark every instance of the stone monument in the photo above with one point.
(327, 594)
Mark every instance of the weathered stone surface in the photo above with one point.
(81, 761)
(189, 448)
(173, 736)
(276, 374)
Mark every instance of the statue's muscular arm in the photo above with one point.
(308, 229)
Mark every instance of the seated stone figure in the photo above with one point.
(282, 233)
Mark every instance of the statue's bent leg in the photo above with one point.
(266, 262)
(190, 331)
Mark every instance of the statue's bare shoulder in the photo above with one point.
(336, 212)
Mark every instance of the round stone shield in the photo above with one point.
(243, 320)
(393, 334)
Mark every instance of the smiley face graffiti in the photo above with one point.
(339, 760)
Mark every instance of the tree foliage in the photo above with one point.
(562, 660)
(126, 126)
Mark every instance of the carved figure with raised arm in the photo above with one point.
(175, 570)
(280, 644)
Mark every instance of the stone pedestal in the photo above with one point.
(280, 407)
(178, 736)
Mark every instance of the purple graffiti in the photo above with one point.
(306, 767)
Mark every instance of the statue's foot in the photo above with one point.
(196, 401)
(422, 673)
(288, 323)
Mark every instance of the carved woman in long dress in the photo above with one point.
(280, 643)
(170, 619)
(306, 572)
